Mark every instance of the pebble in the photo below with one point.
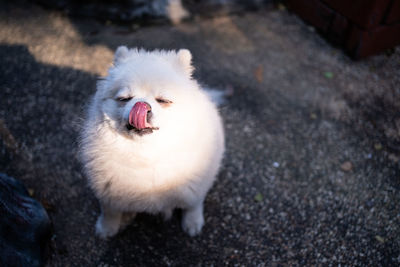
(346, 166)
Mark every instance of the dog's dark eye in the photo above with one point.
(163, 101)
(124, 99)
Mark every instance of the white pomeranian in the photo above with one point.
(152, 140)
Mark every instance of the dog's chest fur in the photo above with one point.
(138, 177)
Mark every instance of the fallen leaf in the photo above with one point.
(258, 73)
(380, 239)
(346, 166)
(281, 7)
(328, 74)
(31, 191)
(229, 90)
(313, 116)
(378, 146)
(47, 205)
(258, 197)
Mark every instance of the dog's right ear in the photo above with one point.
(185, 60)
(120, 54)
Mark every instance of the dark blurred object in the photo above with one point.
(361, 27)
(221, 7)
(150, 11)
(24, 226)
(116, 10)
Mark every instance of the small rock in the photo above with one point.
(275, 164)
(346, 166)
(311, 29)
(394, 158)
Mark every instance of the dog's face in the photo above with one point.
(147, 92)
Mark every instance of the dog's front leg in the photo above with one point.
(193, 219)
(108, 223)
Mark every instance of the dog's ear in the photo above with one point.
(120, 54)
(185, 60)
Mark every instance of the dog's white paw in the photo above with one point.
(192, 222)
(106, 229)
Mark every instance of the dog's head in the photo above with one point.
(145, 92)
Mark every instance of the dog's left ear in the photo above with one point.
(185, 60)
(121, 53)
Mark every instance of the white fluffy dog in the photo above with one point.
(152, 140)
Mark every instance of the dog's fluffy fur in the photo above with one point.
(171, 166)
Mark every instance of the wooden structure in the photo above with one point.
(361, 27)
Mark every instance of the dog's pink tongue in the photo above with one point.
(138, 116)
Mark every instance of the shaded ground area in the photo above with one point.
(311, 173)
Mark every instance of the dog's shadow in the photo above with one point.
(149, 233)
(149, 240)
(41, 108)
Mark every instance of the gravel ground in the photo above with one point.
(311, 173)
